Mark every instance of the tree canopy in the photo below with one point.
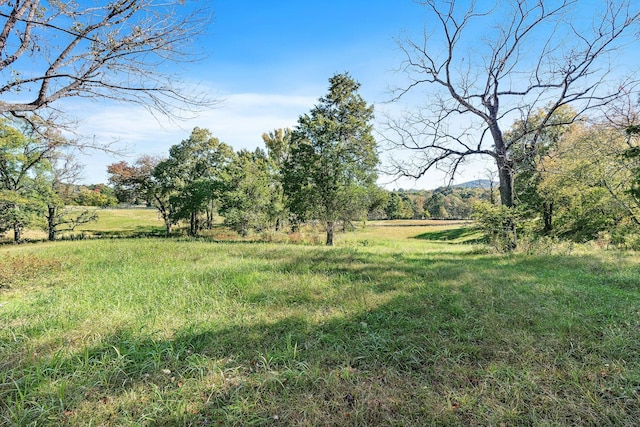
(333, 157)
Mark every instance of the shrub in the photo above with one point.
(500, 224)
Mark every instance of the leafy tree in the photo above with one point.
(245, 199)
(589, 182)
(131, 183)
(496, 222)
(399, 206)
(632, 154)
(36, 170)
(529, 158)
(278, 144)
(191, 176)
(395, 208)
(18, 209)
(333, 157)
(95, 196)
(358, 205)
(144, 180)
(378, 201)
(417, 206)
(435, 206)
(25, 152)
(52, 189)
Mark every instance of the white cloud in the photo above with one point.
(240, 120)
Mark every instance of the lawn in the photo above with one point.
(394, 326)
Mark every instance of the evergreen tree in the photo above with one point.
(333, 158)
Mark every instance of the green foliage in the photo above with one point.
(435, 206)
(576, 178)
(589, 182)
(245, 196)
(529, 151)
(453, 202)
(144, 180)
(331, 166)
(191, 178)
(632, 156)
(500, 224)
(278, 147)
(100, 196)
(379, 199)
(399, 206)
(27, 153)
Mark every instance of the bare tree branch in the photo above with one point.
(120, 50)
(482, 68)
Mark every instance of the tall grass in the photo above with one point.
(396, 326)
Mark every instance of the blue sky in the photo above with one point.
(269, 62)
(295, 46)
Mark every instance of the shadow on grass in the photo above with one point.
(133, 232)
(467, 235)
(461, 339)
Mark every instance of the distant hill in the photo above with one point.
(477, 183)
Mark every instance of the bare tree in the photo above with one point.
(64, 172)
(484, 68)
(119, 50)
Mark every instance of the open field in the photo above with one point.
(394, 326)
(111, 223)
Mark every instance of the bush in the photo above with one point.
(500, 225)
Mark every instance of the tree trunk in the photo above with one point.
(505, 172)
(17, 232)
(330, 232)
(547, 215)
(167, 225)
(209, 218)
(51, 222)
(507, 195)
(193, 224)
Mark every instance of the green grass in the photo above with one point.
(395, 326)
(111, 223)
(124, 223)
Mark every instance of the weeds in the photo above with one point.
(25, 268)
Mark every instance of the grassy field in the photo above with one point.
(395, 326)
(111, 223)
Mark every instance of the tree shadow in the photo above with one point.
(130, 232)
(439, 349)
(466, 235)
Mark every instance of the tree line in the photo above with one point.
(547, 96)
(323, 170)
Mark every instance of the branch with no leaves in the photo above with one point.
(482, 68)
(122, 50)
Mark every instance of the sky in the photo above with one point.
(268, 62)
